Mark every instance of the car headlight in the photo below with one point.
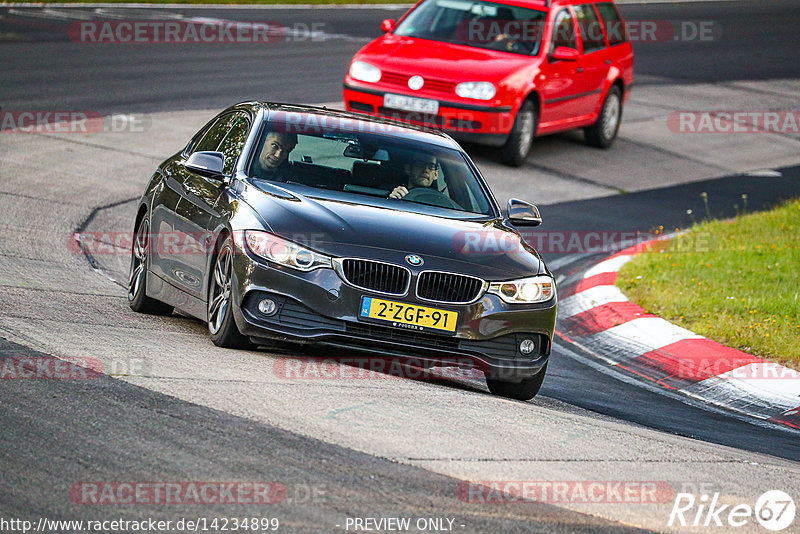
(365, 72)
(283, 252)
(526, 290)
(476, 90)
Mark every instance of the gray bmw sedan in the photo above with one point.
(295, 223)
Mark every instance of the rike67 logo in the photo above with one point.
(774, 510)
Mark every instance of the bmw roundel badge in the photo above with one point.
(414, 260)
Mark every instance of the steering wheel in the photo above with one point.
(426, 195)
(509, 44)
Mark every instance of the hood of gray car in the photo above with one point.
(348, 225)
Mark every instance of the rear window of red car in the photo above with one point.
(615, 28)
(591, 29)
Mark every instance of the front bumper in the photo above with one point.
(319, 307)
(466, 122)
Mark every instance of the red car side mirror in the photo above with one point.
(564, 53)
(388, 25)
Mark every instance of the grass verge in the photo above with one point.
(736, 282)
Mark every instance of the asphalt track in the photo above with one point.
(111, 430)
(753, 40)
(56, 433)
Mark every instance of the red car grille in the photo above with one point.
(440, 86)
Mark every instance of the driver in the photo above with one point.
(274, 155)
(423, 171)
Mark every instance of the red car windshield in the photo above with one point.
(513, 29)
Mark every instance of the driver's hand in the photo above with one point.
(398, 192)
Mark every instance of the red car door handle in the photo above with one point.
(579, 69)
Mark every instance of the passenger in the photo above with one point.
(275, 154)
(422, 172)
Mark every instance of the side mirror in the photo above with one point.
(388, 25)
(207, 163)
(563, 53)
(521, 213)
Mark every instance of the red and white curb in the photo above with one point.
(597, 315)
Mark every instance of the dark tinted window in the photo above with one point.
(614, 26)
(591, 29)
(216, 133)
(227, 135)
(233, 142)
(564, 31)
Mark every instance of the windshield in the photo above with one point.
(366, 166)
(480, 24)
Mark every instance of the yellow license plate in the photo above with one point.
(409, 316)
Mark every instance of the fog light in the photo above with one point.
(267, 307)
(527, 346)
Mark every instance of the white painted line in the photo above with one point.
(647, 333)
(54, 14)
(765, 173)
(610, 265)
(588, 299)
(123, 14)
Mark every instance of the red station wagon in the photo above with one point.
(499, 72)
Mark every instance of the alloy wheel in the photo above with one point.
(525, 133)
(141, 246)
(220, 289)
(610, 116)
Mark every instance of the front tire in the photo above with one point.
(137, 279)
(221, 324)
(602, 133)
(524, 390)
(519, 142)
